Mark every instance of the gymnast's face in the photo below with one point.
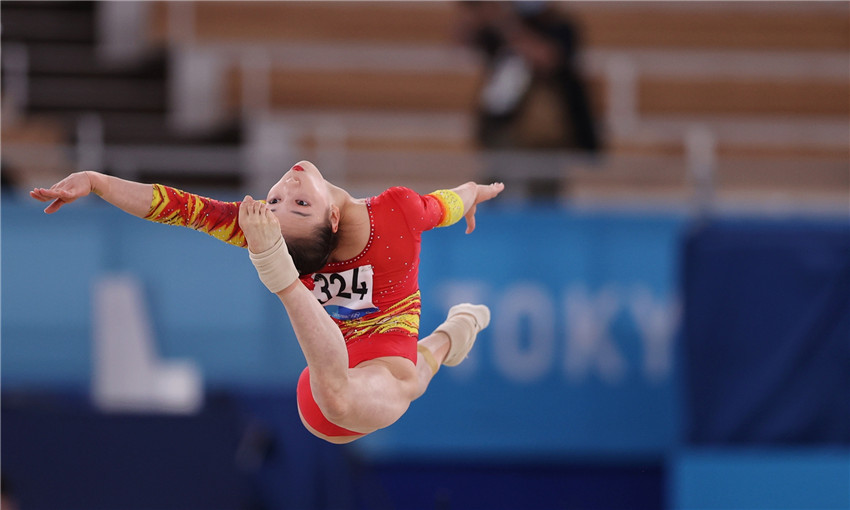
(301, 201)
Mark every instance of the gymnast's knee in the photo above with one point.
(318, 421)
(333, 403)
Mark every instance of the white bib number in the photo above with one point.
(346, 295)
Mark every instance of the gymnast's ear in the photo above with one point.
(334, 217)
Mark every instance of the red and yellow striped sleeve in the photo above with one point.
(452, 206)
(175, 207)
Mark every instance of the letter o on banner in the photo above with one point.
(524, 355)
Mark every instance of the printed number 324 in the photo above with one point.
(336, 285)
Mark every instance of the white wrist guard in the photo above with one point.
(275, 267)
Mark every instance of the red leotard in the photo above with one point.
(385, 273)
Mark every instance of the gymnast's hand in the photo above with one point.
(482, 194)
(76, 185)
(259, 225)
(266, 247)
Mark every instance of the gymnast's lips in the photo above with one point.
(298, 168)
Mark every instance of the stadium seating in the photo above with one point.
(712, 64)
(768, 81)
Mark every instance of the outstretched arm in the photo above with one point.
(154, 202)
(131, 197)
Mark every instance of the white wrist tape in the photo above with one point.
(275, 267)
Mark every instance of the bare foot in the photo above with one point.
(259, 225)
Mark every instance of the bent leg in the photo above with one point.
(313, 418)
(382, 390)
(370, 396)
(319, 337)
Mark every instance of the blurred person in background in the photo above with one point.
(347, 275)
(533, 95)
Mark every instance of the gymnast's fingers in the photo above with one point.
(470, 219)
(54, 206)
(38, 194)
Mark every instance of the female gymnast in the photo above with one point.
(347, 275)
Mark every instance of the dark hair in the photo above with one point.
(310, 254)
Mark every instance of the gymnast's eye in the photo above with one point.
(301, 203)
(272, 201)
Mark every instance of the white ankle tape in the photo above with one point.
(461, 330)
(462, 326)
(275, 267)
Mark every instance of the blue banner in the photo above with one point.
(578, 358)
(767, 333)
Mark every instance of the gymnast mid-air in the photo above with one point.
(346, 270)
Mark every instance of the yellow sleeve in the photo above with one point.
(452, 206)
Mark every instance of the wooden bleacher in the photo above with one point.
(777, 26)
(730, 25)
(343, 22)
(686, 30)
(747, 97)
(365, 90)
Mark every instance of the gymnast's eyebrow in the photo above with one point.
(299, 213)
